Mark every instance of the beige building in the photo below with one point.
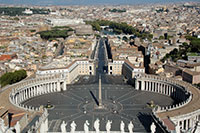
(115, 67)
(124, 67)
(130, 70)
(71, 71)
(191, 76)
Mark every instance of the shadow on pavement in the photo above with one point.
(95, 99)
(146, 120)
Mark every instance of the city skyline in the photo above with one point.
(99, 66)
(90, 2)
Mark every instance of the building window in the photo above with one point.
(90, 67)
(110, 67)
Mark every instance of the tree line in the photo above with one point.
(119, 28)
(184, 49)
(12, 77)
(55, 32)
(117, 10)
(18, 11)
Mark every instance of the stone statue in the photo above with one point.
(9, 131)
(73, 126)
(97, 125)
(108, 126)
(63, 127)
(153, 128)
(29, 131)
(122, 126)
(2, 126)
(130, 127)
(178, 129)
(86, 128)
(197, 129)
(42, 127)
(17, 127)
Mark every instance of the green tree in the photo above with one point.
(161, 37)
(12, 77)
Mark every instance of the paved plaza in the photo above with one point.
(121, 102)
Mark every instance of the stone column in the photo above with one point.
(38, 90)
(191, 122)
(170, 90)
(142, 85)
(48, 90)
(29, 92)
(35, 88)
(153, 85)
(58, 85)
(186, 124)
(160, 88)
(24, 94)
(163, 90)
(64, 86)
(55, 86)
(41, 90)
(33, 91)
(44, 88)
(48, 87)
(167, 90)
(156, 87)
(136, 85)
(149, 85)
(52, 87)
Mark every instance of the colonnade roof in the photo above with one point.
(192, 106)
(6, 105)
(4, 100)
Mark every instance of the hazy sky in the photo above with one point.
(87, 2)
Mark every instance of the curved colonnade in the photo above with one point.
(29, 88)
(185, 113)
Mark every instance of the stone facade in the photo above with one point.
(191, 76)
(72, 71)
